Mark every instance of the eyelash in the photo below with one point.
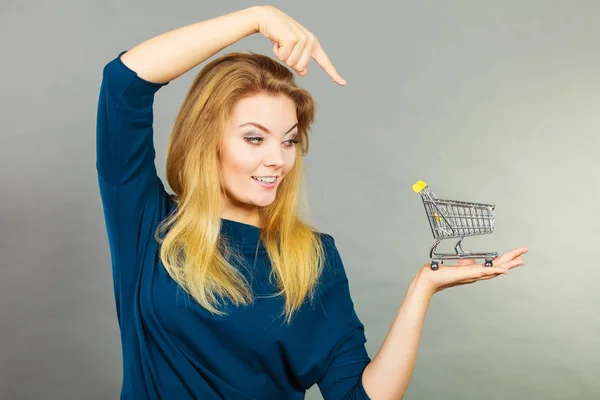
(249, 139)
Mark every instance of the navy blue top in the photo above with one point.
(173, 348)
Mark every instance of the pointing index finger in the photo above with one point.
(325, 63)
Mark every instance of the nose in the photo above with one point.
(275, 157)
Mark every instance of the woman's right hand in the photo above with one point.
(293, 43)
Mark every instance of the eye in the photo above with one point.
(252, 141)
(292, 142)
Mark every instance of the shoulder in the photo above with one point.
(333, 268)
(326, 238)
(329, 245)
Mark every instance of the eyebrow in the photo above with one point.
(262, 128)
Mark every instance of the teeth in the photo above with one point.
(265, 179)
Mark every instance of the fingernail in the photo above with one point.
(344, 81)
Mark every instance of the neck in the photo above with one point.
(245, 218)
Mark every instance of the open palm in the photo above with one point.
(467, 271)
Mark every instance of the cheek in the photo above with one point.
(290, 161)
(238, 162)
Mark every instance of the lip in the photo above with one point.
(267, 185)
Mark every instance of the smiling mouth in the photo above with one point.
(273, 181)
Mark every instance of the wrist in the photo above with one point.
(255, 14)
(421, 287)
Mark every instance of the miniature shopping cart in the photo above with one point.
(456, 219)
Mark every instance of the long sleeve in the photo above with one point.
(130, 188)
(343, 378)
(348, 358)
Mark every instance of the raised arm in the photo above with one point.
(168, 56)
(129, 82)
(171, 54)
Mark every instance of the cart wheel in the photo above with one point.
(435, 265)
(488, 262)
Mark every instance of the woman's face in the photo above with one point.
(257, 143)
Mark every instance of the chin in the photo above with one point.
(263, 203)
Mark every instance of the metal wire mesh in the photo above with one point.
(452, 219)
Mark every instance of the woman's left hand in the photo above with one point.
(467, 271)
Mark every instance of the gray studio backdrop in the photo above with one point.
(492, 102)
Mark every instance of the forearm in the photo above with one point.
(171, 54)
(388, 374)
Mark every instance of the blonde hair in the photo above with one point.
(190, 250)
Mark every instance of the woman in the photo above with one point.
(222, 292)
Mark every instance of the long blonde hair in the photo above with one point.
(190, 250)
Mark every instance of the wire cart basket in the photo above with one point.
(451, 219)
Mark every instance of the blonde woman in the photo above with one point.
(222, 291)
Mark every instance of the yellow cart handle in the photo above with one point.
(419, 186)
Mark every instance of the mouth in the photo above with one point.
(267, 183)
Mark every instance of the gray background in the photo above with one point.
(486, 101)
